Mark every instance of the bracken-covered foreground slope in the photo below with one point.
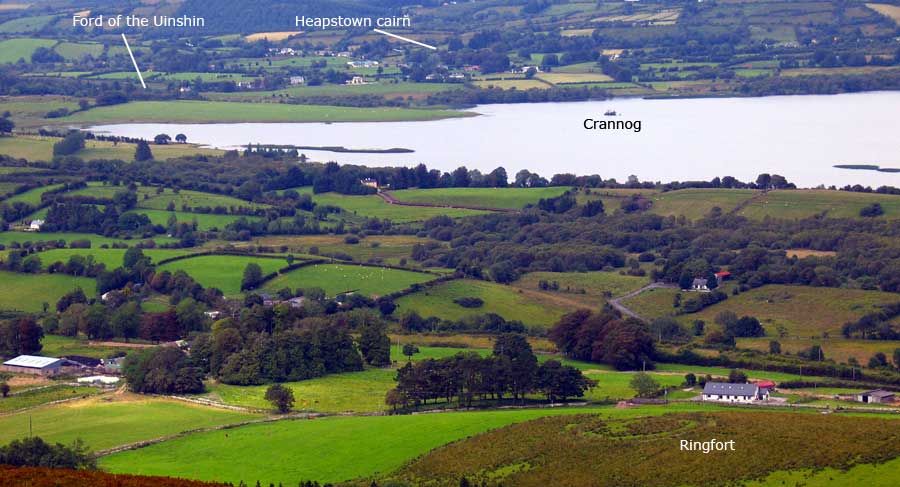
(589, 450)
(55, 477)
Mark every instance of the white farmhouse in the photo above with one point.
(742, 393)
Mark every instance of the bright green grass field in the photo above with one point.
(807, 203)
(26, 24)
(11, 50)
(193, 199)
(104, 424)
(6, 238)
(111, 258)
(28, 292)
(595, 284)
(329, 449)
(205, 221)
(338, 278)
(374, 206)
(804, 311)
(222, 271)
(502, 300)
(364, 391)
(36, 148)
(37, 397)
(397, 89)
(75, 51)
(57, 346)
(209, 111)
(32, 197)
(871, 475)
(697, 203)
(512, 198)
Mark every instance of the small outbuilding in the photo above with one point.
(878, 396)
(32, 364)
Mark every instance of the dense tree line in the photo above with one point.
(20, 337)
(604, 337)
(273, 345)
(35, 452)
(511, 370)
(875, 326)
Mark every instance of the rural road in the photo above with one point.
(617, 302)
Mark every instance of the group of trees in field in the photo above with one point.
(162, 370)
(267, 345)
(20, 337)
(35, 452)
(875, 326)
(604, 337)
(511, 370)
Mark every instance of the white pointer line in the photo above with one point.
(405, 39)
(140, 76)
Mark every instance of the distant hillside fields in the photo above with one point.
(209, 111)
(508, 198)
(28, 292)
(224, 272)
(339, 278)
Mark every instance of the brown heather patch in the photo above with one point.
(588, 450)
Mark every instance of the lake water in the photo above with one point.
(800, 137)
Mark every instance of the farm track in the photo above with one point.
(617, 302)
(392, 200)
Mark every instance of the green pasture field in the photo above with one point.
(148, 197)
(27, 24)
(205, 221)
(28, 292)
(533, 309)
(122, 74)
(35, 105)
(206, 77)
(697, 203)
(507, 198)
(723, 372)
(653, 303)
(36, 397)
(222, 271)
(390, 247)
(111, 258)
(57, 346)
(7, 238)
(518, 84)
(339, 278)
(193, 199)
(36, 148)
(4, 171)
(384, 89)
(212, 111)
(804, 311)
(333, 449)
(32, 197)
(871, 475)
(75, 51)
(597, 285)
(111, 420)
(807, 203)
(364, 391)
(835, 348)
(351, 391)
(373, 206)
